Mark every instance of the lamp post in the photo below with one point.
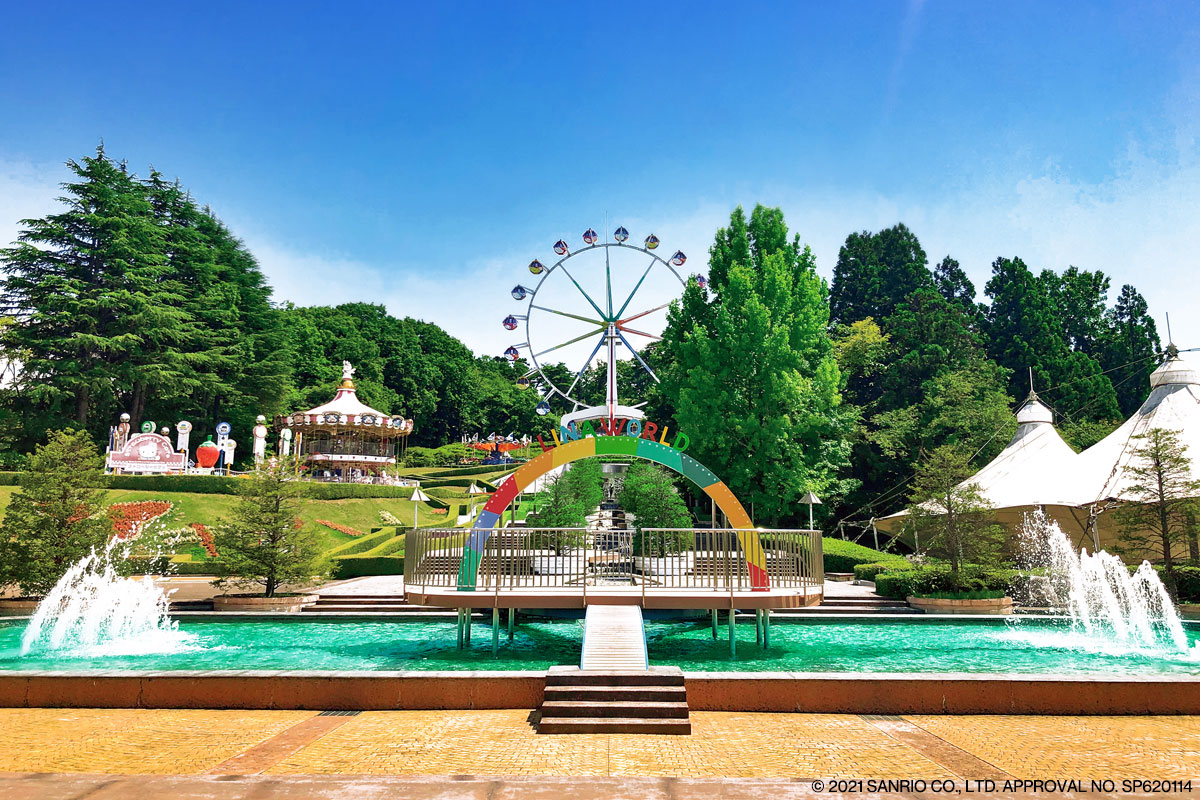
(811, 500)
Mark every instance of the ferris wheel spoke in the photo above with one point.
(586, 296)
(637, 286)
(586, 364)
(637, 355)
(644, 313)
(566, 314)
(569, 341)
(640, 333)
(608, 281)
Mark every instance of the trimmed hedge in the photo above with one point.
(867, 572)
(842, 556)
(935, 580)
(220, 484)
(458, 472)
(361, 566)
(463, 482)
(362, 544)
(390, 547)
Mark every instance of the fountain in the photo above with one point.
(1107, 604)
(92, 610)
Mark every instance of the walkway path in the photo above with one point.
(746, 745)
(613, 639)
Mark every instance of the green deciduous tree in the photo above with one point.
(57, 517)
(753, 379)
(265, 543)
(649, 493)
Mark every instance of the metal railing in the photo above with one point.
(654, 558)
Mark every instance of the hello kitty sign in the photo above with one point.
(146, 453)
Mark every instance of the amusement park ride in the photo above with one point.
(608, 323)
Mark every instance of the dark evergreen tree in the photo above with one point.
(1130, 348)
(1079, 297)
(954, 285)
(875, 272)
(88, 285)
(1024, 332)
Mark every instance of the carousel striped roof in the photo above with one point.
(346, 402)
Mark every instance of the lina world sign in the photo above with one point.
(633, 428)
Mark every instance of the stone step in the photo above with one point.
(604, 694)
(613, 725)
(860, 611)
(625, 709)
(570, 676)
(382, 608)
(866, 601)
(364, 598)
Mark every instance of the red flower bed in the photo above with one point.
(340, 528)
(130, 519)
(440, 510)
(206, 537)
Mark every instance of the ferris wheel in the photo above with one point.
(590, 306)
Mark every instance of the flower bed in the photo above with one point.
(346, 529)
(206, 537)
(131, 520)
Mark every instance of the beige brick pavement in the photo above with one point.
(747, 745)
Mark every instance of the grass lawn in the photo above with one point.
(209, 509)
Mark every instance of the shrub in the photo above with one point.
(938, 580)
(210, 567)
(842, 556)
(360, 566)
(867, 572)
(1187, 583)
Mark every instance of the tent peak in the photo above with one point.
(1177, 369)
(1034, 411)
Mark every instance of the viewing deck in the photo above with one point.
(564, 568)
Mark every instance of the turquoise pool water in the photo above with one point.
(208, 644)
(1027, 646)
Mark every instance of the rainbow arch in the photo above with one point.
(619, 445)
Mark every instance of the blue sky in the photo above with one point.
(417, 153)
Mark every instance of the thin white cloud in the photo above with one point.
(1140, 226)
(27, 191)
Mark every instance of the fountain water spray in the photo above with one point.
(1097, 591)
(93, 610)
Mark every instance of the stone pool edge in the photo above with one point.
(875, 693)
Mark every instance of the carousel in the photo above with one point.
(344, 439)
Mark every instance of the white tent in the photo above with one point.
(1039, 469)
(1102, 472)
(1028, 473)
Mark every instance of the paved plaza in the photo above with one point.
(218, 743)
